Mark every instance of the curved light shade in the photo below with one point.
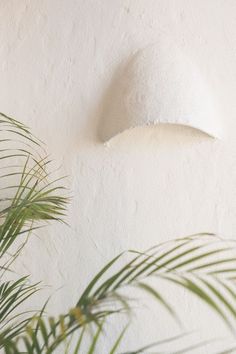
(161, 85)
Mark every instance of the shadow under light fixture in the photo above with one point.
(161, 84)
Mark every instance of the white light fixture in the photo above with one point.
(161, 85)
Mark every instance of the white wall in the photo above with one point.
(57, 62)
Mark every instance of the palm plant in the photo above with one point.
(202, 264)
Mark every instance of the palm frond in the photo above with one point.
(12, 295)
(101, 298)
(28, 198)
(34, 198)
(194, 263)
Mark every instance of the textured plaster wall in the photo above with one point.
(58, 60)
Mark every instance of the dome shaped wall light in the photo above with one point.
(161, 85)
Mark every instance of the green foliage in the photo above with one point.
(203, 264)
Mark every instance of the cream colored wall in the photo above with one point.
(58, 59)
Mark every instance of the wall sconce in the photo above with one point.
(160, 85)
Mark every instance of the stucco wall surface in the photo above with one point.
(58, 61)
